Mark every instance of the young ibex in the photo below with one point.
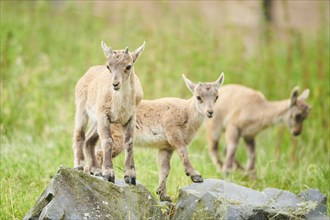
(169, 124)
(105, 95)
(244, 112)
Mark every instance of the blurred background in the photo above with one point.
(271, 46)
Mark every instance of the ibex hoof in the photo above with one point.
(130, 180)
(166, 198)
(79, 167)
(197, 179)
(96, 173)
(109, 178)
(227, 172)
(252, 174)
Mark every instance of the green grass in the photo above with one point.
(45, 50)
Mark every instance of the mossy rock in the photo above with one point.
(74, 194)
(219, 199)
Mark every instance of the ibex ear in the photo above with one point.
(107, 50)
(294, 96)
(138, 52)
(219, 81)
(191, 86)
(304, 95)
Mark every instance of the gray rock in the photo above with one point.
(73, 194)
(218, 199)
(314, 195)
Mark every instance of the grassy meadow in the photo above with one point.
(46, 48)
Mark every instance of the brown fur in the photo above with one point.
(107, 95)
(244, 112)
(169, 124)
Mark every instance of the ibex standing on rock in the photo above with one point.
(244, 112)
(169, 124)
(106, 95)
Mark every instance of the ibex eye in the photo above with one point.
(216, 98)
(108, 68)
(128, 67)
(298, 117)
(199, 98)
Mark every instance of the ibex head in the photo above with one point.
(298, 111)
(205, 95)
(120, 63)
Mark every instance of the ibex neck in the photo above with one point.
(123, 103)
(275, 112)
(128, 89)
(195, 117)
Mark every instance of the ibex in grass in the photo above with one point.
(244, 112)
(169, 124)
(106, 95)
